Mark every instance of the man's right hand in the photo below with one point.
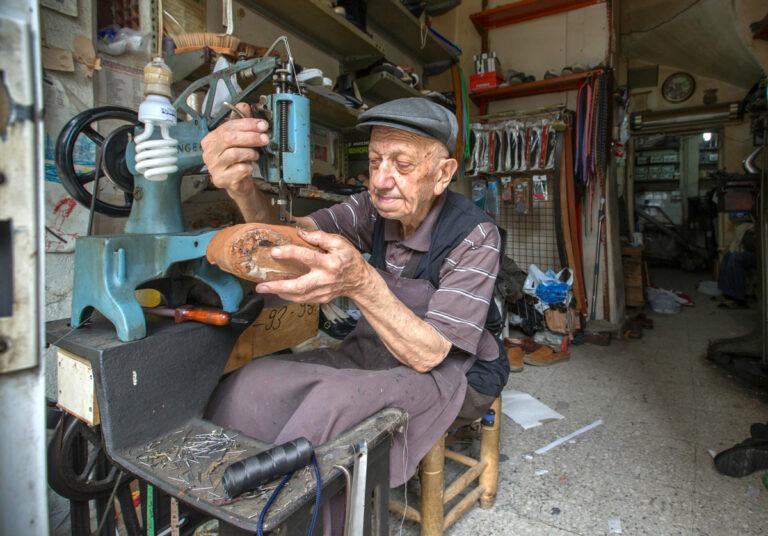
(230, 150)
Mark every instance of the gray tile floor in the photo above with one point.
(664, 406)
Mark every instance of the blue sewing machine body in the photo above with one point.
(110, 268)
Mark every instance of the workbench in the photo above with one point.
(151, 394)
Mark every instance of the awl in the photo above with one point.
(187, 313)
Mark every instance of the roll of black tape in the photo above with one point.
(247, 475)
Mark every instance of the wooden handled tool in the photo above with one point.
(187, 313)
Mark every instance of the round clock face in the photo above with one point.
(678, 87)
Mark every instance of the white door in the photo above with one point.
(23, 507)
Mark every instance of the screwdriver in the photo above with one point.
(188, 313)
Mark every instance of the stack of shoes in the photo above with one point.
(748, 456)
(529, 352)
(335, 321)
(518, 77)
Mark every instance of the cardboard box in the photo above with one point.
(479, 82)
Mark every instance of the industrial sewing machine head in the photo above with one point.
(147, 161)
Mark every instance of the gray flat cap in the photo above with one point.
(414, 114)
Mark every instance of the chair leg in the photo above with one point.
(432, 487)
(489, 453)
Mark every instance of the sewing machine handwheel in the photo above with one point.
(113, 165)
(78, 467)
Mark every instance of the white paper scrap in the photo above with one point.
(526, 410)
(570, 436)
(540, 472)
(712, 452)
(614, 525)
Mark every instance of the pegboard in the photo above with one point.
(532, 237)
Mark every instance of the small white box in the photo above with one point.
(76, 388)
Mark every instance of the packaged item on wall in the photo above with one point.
(540, 192)
(492, 199)
(521, 196)
(478, 193)
(512, 146)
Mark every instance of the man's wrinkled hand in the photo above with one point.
(338, 270)
(230, 150)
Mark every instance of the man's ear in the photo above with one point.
(445, 171)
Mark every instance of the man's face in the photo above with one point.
(403, 174)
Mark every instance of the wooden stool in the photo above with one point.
(434, 493)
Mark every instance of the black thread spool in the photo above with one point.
(247, 475)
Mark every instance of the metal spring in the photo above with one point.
(283, 126)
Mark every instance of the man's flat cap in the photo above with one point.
(414, 114)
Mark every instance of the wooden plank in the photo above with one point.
(568, 82)
(524, 10)
(570, 222)
(76, 388)
(276, 328)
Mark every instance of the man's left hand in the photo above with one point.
(338, 270)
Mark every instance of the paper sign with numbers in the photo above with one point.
(275, 329)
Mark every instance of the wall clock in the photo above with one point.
(678, 87)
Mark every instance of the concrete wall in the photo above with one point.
(533, 47)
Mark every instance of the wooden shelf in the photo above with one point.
(539, 87)
(524, 10)
(328, 112)
(316, 22)
(382, 87)
(393, 18)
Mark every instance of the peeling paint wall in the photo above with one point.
(58, 31)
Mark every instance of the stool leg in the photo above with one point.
(489, 452)
(432, 488)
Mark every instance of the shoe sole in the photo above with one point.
(742, 461)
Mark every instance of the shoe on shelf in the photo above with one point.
(551, 74)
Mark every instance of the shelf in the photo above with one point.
(525, 10)
(330, 113)
(315, 21)
(382, 87)
(394, 19)
(539, 87)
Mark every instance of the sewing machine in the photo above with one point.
(148, 163)
(134, 390)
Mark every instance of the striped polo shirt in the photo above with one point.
(459, 307)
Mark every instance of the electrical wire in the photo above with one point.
(318, 495)
(279, 488)
(270, 501)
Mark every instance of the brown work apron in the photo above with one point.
(320, 394)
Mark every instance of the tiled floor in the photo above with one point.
(664, 406)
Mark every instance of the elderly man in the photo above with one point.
(425, 295)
